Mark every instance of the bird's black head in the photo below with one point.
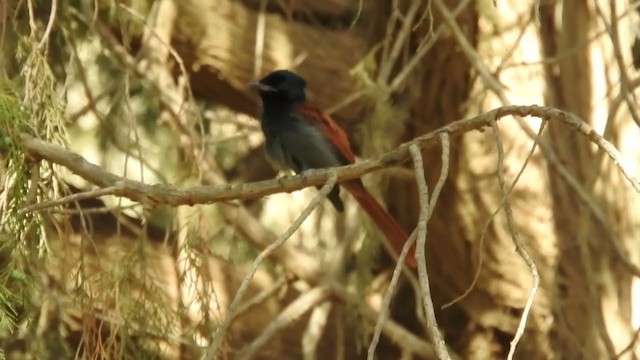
(280, 86)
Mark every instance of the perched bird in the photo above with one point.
(299, 136)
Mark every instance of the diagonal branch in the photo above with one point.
(520, 249)
(213, 348)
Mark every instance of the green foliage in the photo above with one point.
(30, 105)
(8, 302)
(42, 99)
(12, 119)
(12, 277)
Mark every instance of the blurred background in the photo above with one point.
(155, 91)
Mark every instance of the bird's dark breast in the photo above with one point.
(275, 149)
(299, 144)
(296, 144)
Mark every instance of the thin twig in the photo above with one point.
(596, 211)
(119, 141)
(492, 217)
(298, 264)
(32, 19)
(520, 249)
(398, 42)
(92, 194)
(424, 47)
(626, 90)
(161, 45)
(614, 106)
(47, 31)
(314, 330)
(291, 313)
(397, 334)
(93, 210)
(388, 295)
(262, 296)
(579, 45)
(489, 80)
(425, 211)
(213, 348)
(444, 171)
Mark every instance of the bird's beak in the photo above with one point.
(258, 86)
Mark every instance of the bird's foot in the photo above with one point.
(307, 172)
(284, 174)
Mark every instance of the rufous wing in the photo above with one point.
(329, 128)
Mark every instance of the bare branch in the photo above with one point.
(169, 195)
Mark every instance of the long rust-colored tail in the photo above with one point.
(385, 222)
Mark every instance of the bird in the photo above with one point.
(299, 136)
